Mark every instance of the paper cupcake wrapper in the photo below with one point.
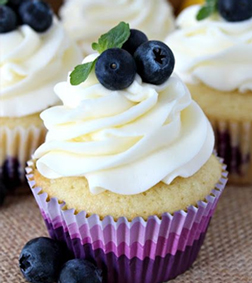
(16, 146)
(149, 251)
(234, 144)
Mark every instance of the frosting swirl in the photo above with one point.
(95, 17)
(124, 141)
(30, 65)
(213, 51)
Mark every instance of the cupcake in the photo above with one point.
(214, 60)
(94, 17)
(126, 176)
(35, 55)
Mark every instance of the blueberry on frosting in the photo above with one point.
(230, 10)
(155, 62)
(115, 68)
(8, 19)
(136, 38)
(37, 14)
(235, 11)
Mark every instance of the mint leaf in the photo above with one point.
(204, 13)
(81, 72)
(115, 38)
(207, 10)
(3, 2)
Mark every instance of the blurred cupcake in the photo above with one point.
(34, 56)
(94, 17)
(214, 59)
(126, 176)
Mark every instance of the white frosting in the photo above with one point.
(213, 51)
(86, 20)
(31, 64)
(124, 141)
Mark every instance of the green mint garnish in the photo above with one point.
(3, 2)
(81, 72)
(207, 10)
(115, 38)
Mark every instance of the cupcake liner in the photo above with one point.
(16, 146)
(234, 144)
(149, 251)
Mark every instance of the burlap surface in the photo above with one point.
(225, 257)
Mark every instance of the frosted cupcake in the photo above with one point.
(126, 176)
(214, 58)
(35, 55)
(94, 17)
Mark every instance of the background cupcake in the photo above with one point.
(213, 57)
(94, 17)
(34, 56)
(115, 179)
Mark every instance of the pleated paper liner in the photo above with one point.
(136, 251)
(234, 144)
(16, 146)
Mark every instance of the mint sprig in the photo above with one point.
(3, 2)
(115, 38)
(207, 10)
(81, 72)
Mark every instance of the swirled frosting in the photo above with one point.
(95, 17)
(31, 64)
(213, 51)
(124, 141)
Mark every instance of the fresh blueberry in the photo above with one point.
(235, 11)
(37, 14)
(8, 19)
(41, 260)
(115, 69)
(3, 192)
(136, 39)
(155, 62)
(80, 271)
(15, 3)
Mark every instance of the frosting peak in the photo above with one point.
(30, 65)
(124, 141)
(213, 51)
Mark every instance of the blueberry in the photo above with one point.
(41, 260)
(136, 39)
(8, 19)
(15, 3)
(115, 69)
(37, 14)
(235, 11)
(80, 271)
(3, 192)
(155, 62)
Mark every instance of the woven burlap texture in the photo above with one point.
(225, 257)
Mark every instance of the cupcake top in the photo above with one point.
(215, 51)
(94, 17)
(126, 122)
(32, 62)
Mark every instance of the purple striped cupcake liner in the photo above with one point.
(138, 251)
(234, 145)
(16, 146)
